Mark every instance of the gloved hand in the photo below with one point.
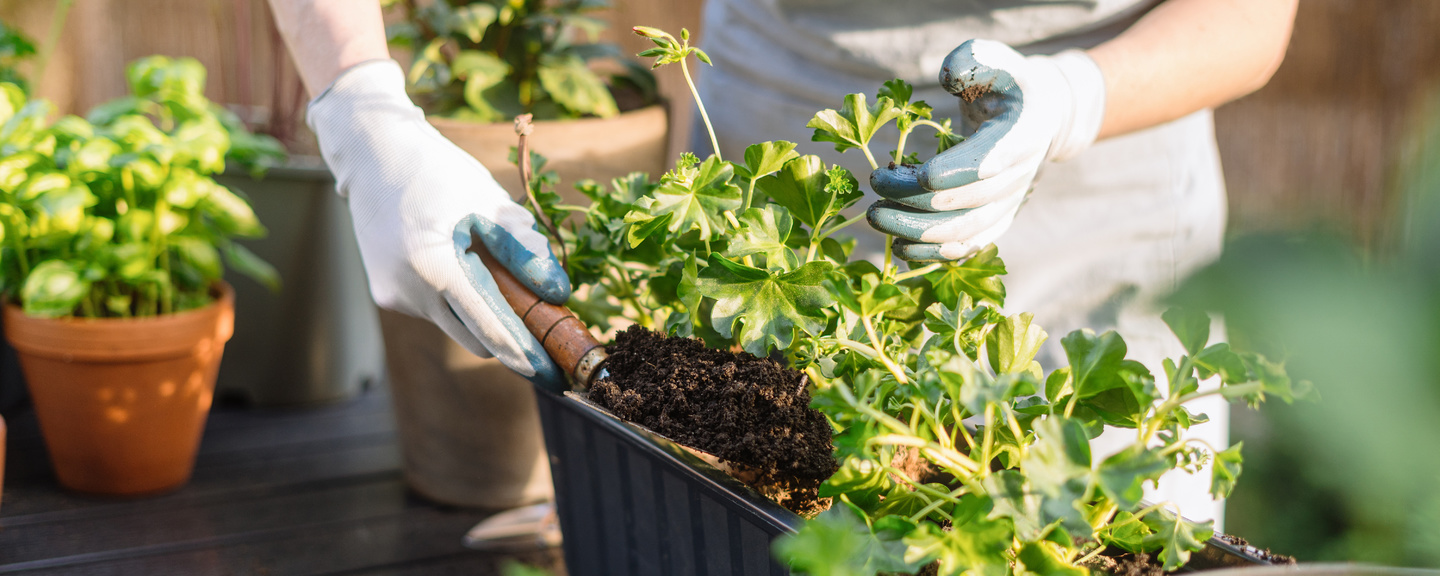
(1025, 111)
(418, 201)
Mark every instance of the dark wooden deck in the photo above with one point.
(290, 492)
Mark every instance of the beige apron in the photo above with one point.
(1102, 235)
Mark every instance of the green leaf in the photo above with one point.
(576, 87)
(763, 231)
(1219, 359)
(246, 262)
(62, 211)
(899, 92)
(472, 20)
(803, 186)
(978, 276)
(486, 67)
(482, 73)
(199, 253)
(1122, 476)
(873, 298)
(769, 307)
(1013, 344)
(1192, 327)
(429, 72)
(231, 213)
(1041, 559)
(1095, 361)
(855, 124)
(54, 288)
(1127, 535)
(862, 481)
(839, 542)
(202, 142)
(1058, 468)
(696, 198)
(1225, 470)
(976, 546)
(766, 158)
(1176, 537)
(1014, 499)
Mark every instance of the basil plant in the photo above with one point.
(117, 215)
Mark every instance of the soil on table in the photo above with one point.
(751, 413)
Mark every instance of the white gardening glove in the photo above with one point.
(417, 200)
(1028, 110)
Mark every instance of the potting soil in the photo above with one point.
(750, 412)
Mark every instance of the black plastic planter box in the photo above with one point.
(634, 503)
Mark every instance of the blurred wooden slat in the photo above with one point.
(1320, 144)
(249, 68)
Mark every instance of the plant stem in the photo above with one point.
(870, 157)
(889, 250)
(900, 147)
(988, 445)
(1088, 557)
(880, 351)
(714, 142)
(840, 226)
(918, 272)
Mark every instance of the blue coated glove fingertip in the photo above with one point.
(541, 273)
(546, 278)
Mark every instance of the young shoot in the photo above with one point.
(669, 51)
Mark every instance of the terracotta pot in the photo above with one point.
(122, 402)
(598, 148)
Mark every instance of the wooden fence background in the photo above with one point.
(1319, 146)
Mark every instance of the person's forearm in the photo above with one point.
(1188, 55)
(326, 37)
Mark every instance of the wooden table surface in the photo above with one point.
(275, 492)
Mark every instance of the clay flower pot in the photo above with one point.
(122, 402)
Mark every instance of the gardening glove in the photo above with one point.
(418, 201)
(1024, 111)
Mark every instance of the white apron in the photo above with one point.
(1102, 236)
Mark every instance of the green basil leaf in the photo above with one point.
(54, 288)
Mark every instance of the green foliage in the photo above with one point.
(14, 49)
(118, 215)
(492, 60)
(910, 363)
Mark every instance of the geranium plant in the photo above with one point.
(493, 60)
(748, 253)
(118, 215)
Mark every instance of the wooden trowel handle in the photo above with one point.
(563, 335)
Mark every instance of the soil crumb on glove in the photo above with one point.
(750, 412)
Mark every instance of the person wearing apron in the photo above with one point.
(1108, 226)
(1092, 232)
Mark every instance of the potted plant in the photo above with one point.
(479, 64)
(903, 364)
(115, 239)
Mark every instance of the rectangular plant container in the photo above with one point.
(632, 502)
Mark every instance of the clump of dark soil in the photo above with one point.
(750, 412)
